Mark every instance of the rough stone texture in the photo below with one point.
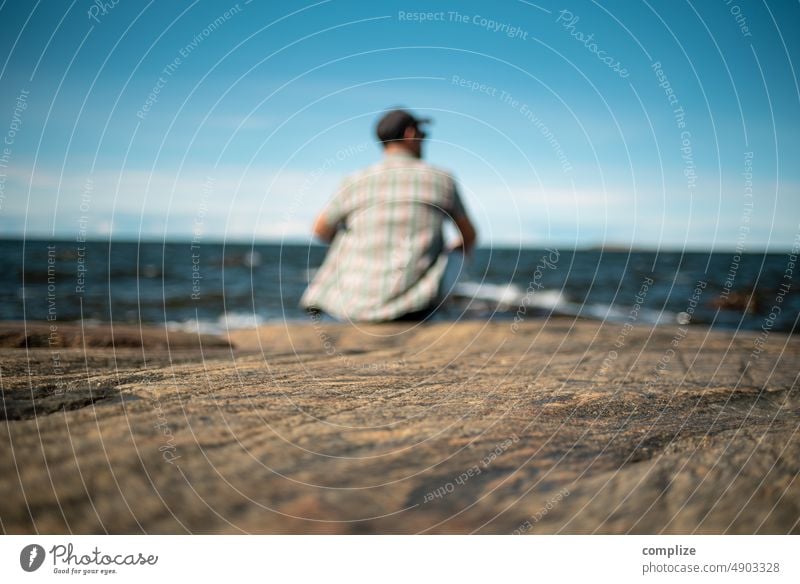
(447, 428)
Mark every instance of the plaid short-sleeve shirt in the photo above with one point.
(387, 257)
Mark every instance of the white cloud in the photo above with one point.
(238, 201)
(246, 203)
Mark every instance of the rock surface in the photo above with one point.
(556, 427)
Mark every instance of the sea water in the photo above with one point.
(236, 285)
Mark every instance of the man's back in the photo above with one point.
(388, 259)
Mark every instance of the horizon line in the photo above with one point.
(607, 248)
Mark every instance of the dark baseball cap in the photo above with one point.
(393, 124)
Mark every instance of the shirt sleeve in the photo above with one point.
(456, 207)
(334, 212)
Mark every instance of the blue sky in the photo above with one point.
(236, 121)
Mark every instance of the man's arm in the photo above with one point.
(333, 215)
(322, 230)
(467, 232)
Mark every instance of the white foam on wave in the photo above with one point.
(644, 316)
(503, 294)
(226, 322)
(508, 297)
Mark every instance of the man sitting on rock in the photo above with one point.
(387, 259)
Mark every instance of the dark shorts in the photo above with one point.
(417, 315)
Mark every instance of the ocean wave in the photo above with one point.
(510, 298)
